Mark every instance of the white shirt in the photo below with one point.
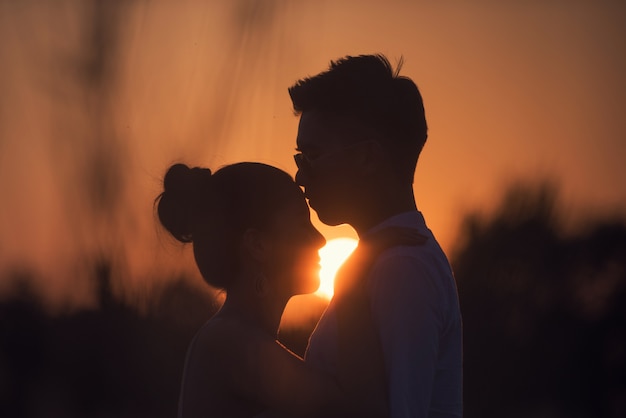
(416, 312)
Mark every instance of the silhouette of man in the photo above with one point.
(362, 128)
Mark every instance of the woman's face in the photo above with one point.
(294, 262)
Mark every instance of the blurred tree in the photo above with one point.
(23, 328)
(110, 361)
(542, 310)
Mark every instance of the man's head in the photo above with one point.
(361, 123)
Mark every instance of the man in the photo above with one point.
(362, 128)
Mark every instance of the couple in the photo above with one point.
(390, 343)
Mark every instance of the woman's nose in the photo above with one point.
(319, 239)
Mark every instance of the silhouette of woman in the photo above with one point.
(252, 237)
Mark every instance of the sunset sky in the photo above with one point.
(97, 102)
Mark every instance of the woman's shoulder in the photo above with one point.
(228, 338)
(213, 371)
(220, 331)
(218, 348)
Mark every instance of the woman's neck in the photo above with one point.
(263, 312)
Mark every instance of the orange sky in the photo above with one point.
(89, 124)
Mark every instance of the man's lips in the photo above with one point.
(307, 193)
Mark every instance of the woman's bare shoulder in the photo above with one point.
(216, 351)
(228, 338)
(213, 370)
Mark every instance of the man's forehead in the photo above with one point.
(319, 130)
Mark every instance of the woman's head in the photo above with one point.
(216, 211)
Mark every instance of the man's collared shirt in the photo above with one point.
(416, 313)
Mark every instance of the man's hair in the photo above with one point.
(367, 91)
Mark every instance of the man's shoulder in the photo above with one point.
(423, 254)
(422, 268)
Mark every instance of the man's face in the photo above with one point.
(326, 168)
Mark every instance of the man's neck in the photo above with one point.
(381, 208)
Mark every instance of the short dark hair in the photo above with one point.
(213, 210)
(366, 90)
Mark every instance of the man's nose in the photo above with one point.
(301, 178)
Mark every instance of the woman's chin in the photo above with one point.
(311, 286)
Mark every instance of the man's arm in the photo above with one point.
(406, 308)
(360, 368)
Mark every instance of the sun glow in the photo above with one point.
(332, 255)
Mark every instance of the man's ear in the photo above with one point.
(373, 156)
(256, 244)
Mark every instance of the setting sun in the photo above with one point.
(333, 254)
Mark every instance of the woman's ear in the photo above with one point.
(256, 244)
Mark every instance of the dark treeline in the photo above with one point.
(109, 362)
(544, 311)
(544, 322)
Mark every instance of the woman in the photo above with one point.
(252, 236)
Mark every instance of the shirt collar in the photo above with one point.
(410, 219)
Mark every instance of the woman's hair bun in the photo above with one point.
(183, 190)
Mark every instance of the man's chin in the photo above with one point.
(326, 214)
(328, 219)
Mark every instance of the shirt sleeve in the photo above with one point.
(406, 307)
